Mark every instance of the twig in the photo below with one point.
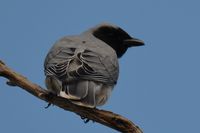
(106, 118)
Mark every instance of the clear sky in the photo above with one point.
(159, 84)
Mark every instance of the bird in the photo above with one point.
(84, 68)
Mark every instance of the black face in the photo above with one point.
(114, 37)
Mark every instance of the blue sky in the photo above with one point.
(159, 83)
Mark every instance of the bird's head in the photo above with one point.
(116, 37)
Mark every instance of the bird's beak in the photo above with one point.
(133, 42)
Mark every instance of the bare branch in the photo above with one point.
(106, 118)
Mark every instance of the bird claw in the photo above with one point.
(49, 104)
(85, 119)
(49, 97)
(11, 83)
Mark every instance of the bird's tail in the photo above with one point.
(82, 92)
(86, 93)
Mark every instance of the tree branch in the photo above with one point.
(106, 118)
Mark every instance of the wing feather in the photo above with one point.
(67, 65)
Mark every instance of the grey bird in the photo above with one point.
(84, 68)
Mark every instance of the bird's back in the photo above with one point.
(82, 68)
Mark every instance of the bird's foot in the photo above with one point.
(11, 83)
(49, 97)
(85, 119)
(48, 105)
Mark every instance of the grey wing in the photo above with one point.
(105, 68)
(67, 64)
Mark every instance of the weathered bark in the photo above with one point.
(106, 118)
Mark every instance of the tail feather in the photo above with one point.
(77, 90)
(96, 94)
(83, 92)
